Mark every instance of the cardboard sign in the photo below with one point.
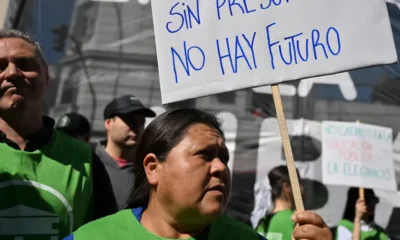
(358, 155)
(207, 47)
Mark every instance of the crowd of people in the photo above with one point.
(169, 180)
(357, 222)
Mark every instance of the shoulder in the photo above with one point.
(230, 227)
(284, 214)
(106, 228)
(283, 218)
(344, 223)
(64, 139)
(68, 146)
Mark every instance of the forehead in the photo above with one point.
(16, 47)
(201, 134)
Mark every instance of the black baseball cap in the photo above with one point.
(73, 124)
(126, 104)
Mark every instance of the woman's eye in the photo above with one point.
(224, 159)
(206, 156)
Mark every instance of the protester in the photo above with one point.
(358, 218)
(75, 125)
(51, 184)
(182, 186)
(124, 122)
(278, 224)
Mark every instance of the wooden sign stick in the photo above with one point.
(298, 200)
(361, 189)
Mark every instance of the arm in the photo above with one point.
(361, 209)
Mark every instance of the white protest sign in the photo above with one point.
(359, 155)
(206, 47)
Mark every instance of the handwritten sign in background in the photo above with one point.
(206, 47)
(358, 155)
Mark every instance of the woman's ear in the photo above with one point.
(287, 189)
(151, 167)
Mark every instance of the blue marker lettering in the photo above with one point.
(299, 52)
(242, 55)
(292, 43)
(270, 2)
(339, 47)
(246, 7)
(192, 15)
(239, 52)
(219, 6)
(171, 12)
(290, 54)
(221, 57)
(251, 46)
(187, 18)
(203, 57)
(315, 42)
(234, 3)
(270, 45)
(187, 62)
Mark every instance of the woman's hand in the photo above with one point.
(310, 226)
(361, 209)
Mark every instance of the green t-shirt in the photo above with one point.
(126, 225)
(44, 194)
(278, 226)
(345, 231)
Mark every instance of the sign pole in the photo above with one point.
(361, 192)
(298, 200)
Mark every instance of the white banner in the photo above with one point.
(209, 47)
(358, 155)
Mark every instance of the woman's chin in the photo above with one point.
(213, 210)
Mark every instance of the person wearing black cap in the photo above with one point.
(75, 125)
(124, 122)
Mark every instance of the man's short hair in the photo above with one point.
(12, 33)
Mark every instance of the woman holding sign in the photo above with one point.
(182, 186)
(358, 220)
(278, 224)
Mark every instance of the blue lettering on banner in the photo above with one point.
(187, 62)
(187, 17)
(270, 2)
(241, 7)
(239, 52)
(294, 42)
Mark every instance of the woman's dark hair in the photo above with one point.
(161, 135)
(352, 197)
(277, 177)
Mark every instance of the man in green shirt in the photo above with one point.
(46, 177)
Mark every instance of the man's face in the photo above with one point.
(23, 76)
(125, 130)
